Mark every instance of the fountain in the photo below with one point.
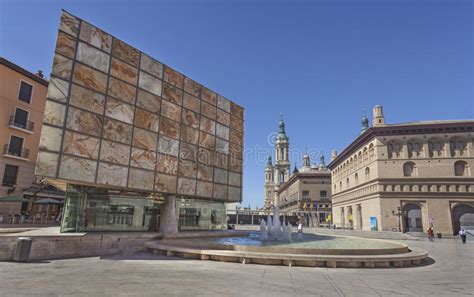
(274, 229)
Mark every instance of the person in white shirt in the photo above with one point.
(462, 233)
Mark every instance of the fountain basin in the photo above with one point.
(368, 253)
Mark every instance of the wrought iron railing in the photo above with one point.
(29, 125)
(12, 151)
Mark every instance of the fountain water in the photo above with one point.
(274, 229)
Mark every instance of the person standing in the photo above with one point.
(430, 233)
(300, 227)
(462, 233)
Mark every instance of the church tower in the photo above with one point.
(269, 185)
(377, 116)
(282, 163)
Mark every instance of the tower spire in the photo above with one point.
(365, 122)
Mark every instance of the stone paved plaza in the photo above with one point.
(150, 275)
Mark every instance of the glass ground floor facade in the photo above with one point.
(101, 209)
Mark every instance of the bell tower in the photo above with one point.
(269, 185)
(282, 162)
(377, 116)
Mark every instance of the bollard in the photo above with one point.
(22, 249)
(439, 235)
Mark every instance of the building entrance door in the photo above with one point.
(463, 217)
(412, 217)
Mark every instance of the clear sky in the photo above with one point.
(318, 62)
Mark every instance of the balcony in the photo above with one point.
(26, 126)
(15, 152)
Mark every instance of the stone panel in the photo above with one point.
(125, 52)
(186, 186)
(47, 164)
(90, 78)
(206, 140)
(92, 57)
(114, 152)
(141, 179)
(189, 134)
(173, 77)
(168, 146)
(236, 123)
(208, 110)
(69, 23)
(190, 118)
(192, 87)
(58, 89)
(204, 189)
(235, 164)
(54, 113)
(221, 160)
(81, 145)
(208, 125)
(165, 183)
(171, 110)
(74, 168)
(220, 176)
(50, 138)
(191, 103)
(146, 120)
(121, 90)
(143, 159)
(87, 99)
(188, 151)
(169, 128)
(66, 45)
(83, 121)
(172, 94)
(223, 103)
(149, 83)
(187, 168)
(205, 156)
(209, 96)
(117, 131)
(235, 150)
(236, 137)
(62, 67)
(124, 71)
(119, 110)
(235, 179)
(145, 139)
(96, 37)
(220, 192)
(222, 146)
(223, 117)
(148, 101)
(234, 194)
(151, 66)
(222, 131)
(167, 164)
(236, 110)
(112, 175)
(205, 172)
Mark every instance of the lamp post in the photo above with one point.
(399, 214)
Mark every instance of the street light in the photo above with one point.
(399, 214)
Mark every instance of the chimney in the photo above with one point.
(40, 74)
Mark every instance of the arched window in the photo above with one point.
(340, 185)
(435, 148)
(335, 188)
(414, 148)
(409, 169)
(347, 183)
(356, 178)
(394, 149)
(460, 168)
(367, 173)
(371, 152)
(457, 146)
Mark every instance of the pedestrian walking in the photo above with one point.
(462, 233)
(430, 232)
(300, 227)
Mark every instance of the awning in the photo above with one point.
(48, 201)
(13, 198)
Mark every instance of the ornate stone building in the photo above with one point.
(406, 176)
(306, 192)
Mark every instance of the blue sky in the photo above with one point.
(318, 62)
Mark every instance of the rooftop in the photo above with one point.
(23, 71)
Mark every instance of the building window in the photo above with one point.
(457, 147)
(414, 149)
(9, 176)
(367, 173)
(460, 168)
(20, 119)
(323, 194)
(435, 148)
(348, 184)
(16, 145)
(26, 90)
(408, 169)
(356, 178)
(394, 149)
(305, 194)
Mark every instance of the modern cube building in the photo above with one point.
(138, 145)
(406, 177)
